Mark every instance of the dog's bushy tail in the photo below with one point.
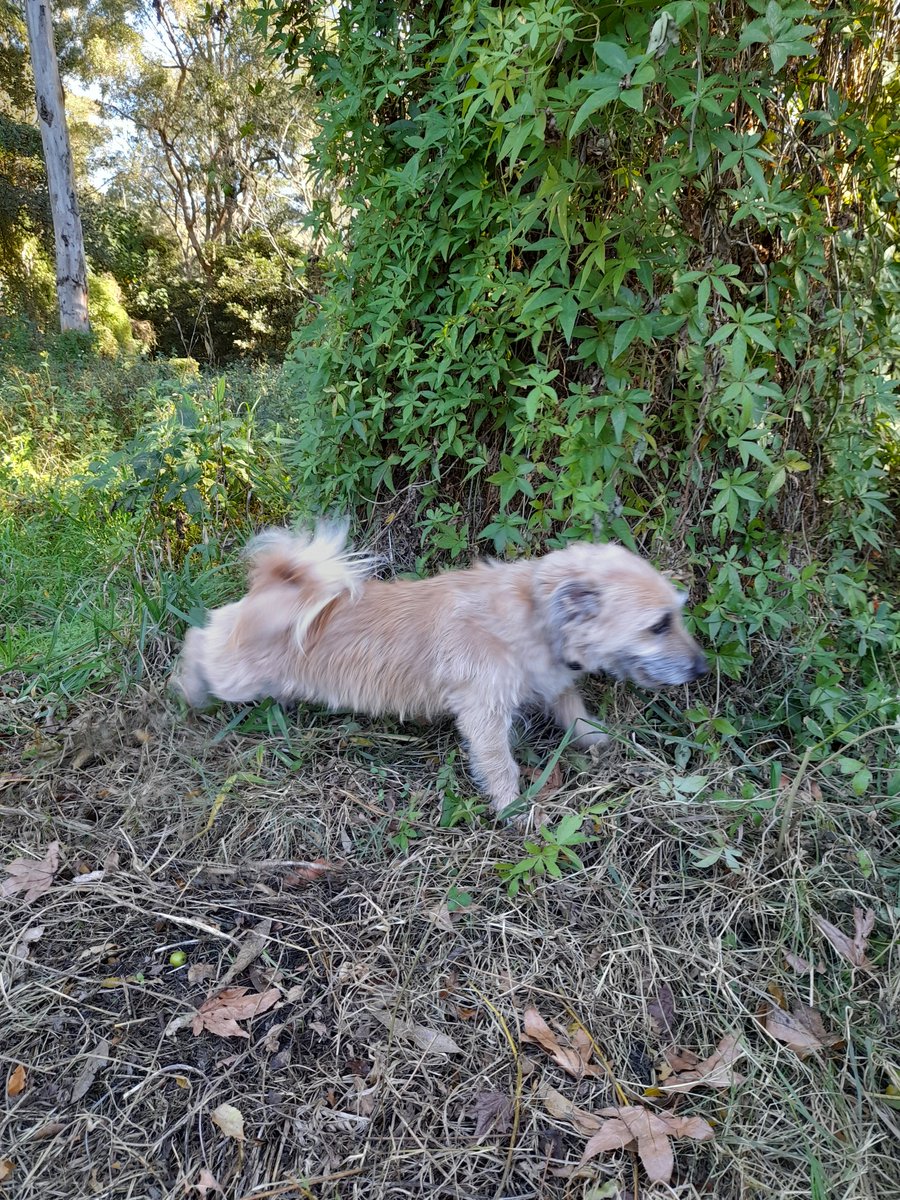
(313, 568)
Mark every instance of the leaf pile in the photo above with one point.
(633, 1126)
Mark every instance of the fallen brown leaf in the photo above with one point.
(573, 1058)
(679, 1059)
(801, 1030)
(309, 872)
(6, 1168)
(32, 876)
(220, 1013)
(197, 972)
(651, 1132)
(15, 1085)
(558, 1106)
(20, 951)
(450, 984)
(552, 783)
(800, 965)
(493, 1113)
(207, 1183)
(271, 1043)
(717, 1071)
(852, 949)
(661, 1011)
(252, 945)
(426, 1039)
(441, 917)
(361, 1098)
(51, 1129)
(809, 785)
(230, 1120)
(95, 1060)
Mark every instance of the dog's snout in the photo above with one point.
(701, 666)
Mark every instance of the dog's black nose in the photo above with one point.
(701, 666)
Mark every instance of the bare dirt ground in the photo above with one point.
(402, 971)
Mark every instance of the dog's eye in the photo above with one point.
(661, 626)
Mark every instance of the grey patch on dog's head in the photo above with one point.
(572, 602)
(665, 654)
(612, 613)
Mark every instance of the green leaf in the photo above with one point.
(689, 784)
(860, 781)
(614, 57)
(600, 98)
(625, 335)
(776, 483)
(568, 316)
(709, 859)
(703, 291)
(633, 98)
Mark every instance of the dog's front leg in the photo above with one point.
(569, 711)
(487, 731)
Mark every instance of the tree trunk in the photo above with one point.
(71, 270)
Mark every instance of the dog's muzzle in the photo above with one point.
(662, 672)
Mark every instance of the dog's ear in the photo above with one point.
(574, 600)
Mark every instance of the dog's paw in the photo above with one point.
(588, 732)
(593, 742)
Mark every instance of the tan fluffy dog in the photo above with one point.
(476, 644)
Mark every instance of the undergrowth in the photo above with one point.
(123, 492)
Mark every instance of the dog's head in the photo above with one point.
(609, 611)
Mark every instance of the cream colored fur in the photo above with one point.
(477, 644)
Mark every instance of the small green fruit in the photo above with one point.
(177, 958)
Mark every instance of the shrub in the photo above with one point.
(110, 323)
(196, 470)
(614, 277)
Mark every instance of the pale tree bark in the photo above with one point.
(71, 269)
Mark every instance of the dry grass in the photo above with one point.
(336, 1103)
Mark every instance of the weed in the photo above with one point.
(406, 829)
(549, 854)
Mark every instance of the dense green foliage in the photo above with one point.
(123, 488)
(623, 273)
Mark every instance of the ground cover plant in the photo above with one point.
(260, 953)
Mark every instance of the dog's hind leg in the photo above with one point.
(487, 731)
(569, 711)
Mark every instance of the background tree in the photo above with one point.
(93, 40)
(218, 132)
(214, 159)
(187, 144)
(71, 267)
